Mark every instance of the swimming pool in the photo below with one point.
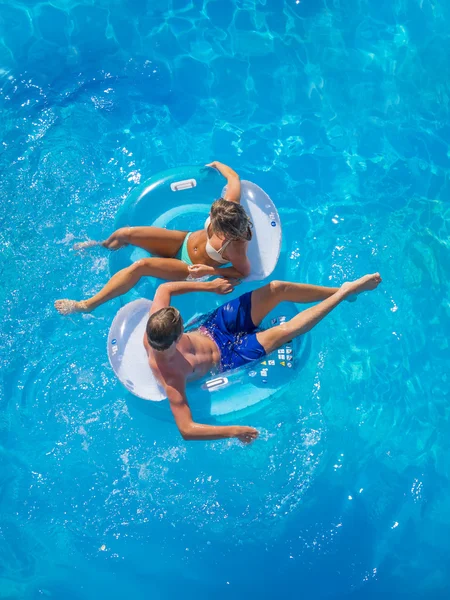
(339, 110)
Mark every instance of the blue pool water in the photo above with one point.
(340, 110)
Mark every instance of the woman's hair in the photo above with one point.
(164, 327)
(230, 220)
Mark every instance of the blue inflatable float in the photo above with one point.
(218, 395)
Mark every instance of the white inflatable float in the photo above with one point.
(181, 199)
(218, 395)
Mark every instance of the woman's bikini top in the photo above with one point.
(212, 252)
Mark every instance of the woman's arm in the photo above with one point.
(237, 256)
(237, 271)
(233, 193)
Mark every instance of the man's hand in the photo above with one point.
(246, 435)
(213, 164)
(197, 271)
(222, 286)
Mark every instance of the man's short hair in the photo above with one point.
(164, 327)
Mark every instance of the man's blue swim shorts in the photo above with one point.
(233, 330)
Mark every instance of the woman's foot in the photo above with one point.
(118, 239)
(67, 307)
(87, 244)
(364, 284)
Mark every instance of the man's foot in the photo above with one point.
(364, 284)
(87, 244)
(67, 307)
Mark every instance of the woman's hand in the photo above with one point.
(197, 271)
(221, 286)
(233, 191)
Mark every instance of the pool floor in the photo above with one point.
(340, 112)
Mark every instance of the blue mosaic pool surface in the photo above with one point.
(340, 111)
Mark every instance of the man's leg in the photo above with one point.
(156, 240)
(120, 283)
(277, 336)
(269, 296)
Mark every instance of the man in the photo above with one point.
(229, 338)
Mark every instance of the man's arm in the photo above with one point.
(176, 393)
(165, 291)
(233, 193)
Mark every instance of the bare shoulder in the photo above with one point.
(172, 380)
(175, 386)
(236, 252)
(173, 375)
(237, 248)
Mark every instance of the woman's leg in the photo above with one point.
(156, 240)
(120, 283)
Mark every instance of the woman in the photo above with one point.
(180, 254)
